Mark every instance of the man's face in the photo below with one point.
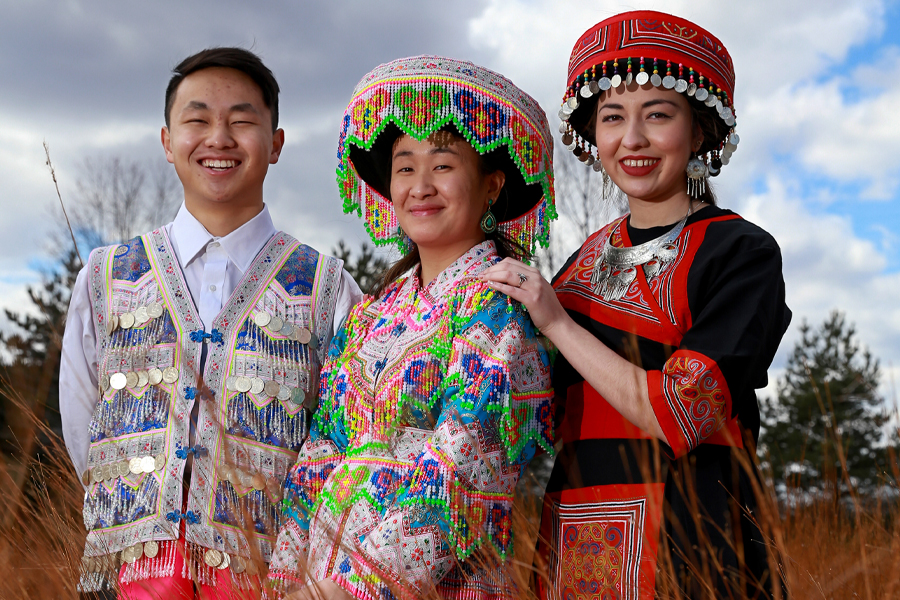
(220, 138)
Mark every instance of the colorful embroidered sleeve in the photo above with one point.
(458, 499)
(738, 315)
(320, 454)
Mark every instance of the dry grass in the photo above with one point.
(830, 550)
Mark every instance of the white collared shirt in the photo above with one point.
(212, 267)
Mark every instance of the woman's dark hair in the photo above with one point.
(230, 58)
(487, 164)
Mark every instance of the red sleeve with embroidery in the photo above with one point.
(690, 398)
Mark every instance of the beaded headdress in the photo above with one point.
(646, 46)
(421, 95)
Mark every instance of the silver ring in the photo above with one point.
(522, 279)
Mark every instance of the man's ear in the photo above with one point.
(277, 145)
(167, 144)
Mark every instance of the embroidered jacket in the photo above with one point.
(262, 358)
(432, 401)
(705, 324)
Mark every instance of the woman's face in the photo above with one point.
(645, 137)
(439, 192)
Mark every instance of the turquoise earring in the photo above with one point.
(489, 221)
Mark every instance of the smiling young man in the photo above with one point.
(191, 355)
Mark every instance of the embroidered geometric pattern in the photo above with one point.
(696, 397)
(421, 95)
(151, 420)
(600, 548)
(431, 402)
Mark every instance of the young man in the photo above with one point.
(191, 355)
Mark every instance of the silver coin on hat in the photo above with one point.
(730, 120)
(567, 139)
(642, 78)
(668, 82)
(604, 84)
(563, 116)
(585, 91)
(257, 385)
(571, 146)
(711, 101)
(734, 139)
(629, 78)
(691, 89)
(701, 94)
(616, 80)
(595, 87)
(597, 166)
(681, 86)
(572, 102)
(655, 80)
(563, 127)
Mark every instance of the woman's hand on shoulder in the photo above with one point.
(525, 284)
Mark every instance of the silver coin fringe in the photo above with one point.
(252, 511)
(271, 424)
(123, 505)
(581, 148)
(125, 413)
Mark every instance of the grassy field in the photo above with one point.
(831, 550)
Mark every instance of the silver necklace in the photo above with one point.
(617, 267)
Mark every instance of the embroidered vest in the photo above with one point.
(263, 352)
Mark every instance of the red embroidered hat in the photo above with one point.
(648, 47)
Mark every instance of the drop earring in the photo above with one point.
(697, 174)
(489, 221)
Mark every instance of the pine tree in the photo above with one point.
(367, 269)
(29, 374)
(826, 426)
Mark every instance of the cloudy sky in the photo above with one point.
(817, 98)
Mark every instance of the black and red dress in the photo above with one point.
(625, 514)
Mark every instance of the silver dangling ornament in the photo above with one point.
(617, 268)
(697, 173)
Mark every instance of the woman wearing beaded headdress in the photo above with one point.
(437, 391)
(666, 321)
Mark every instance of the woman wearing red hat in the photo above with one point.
(666, 321)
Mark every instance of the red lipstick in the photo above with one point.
(647, 164)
